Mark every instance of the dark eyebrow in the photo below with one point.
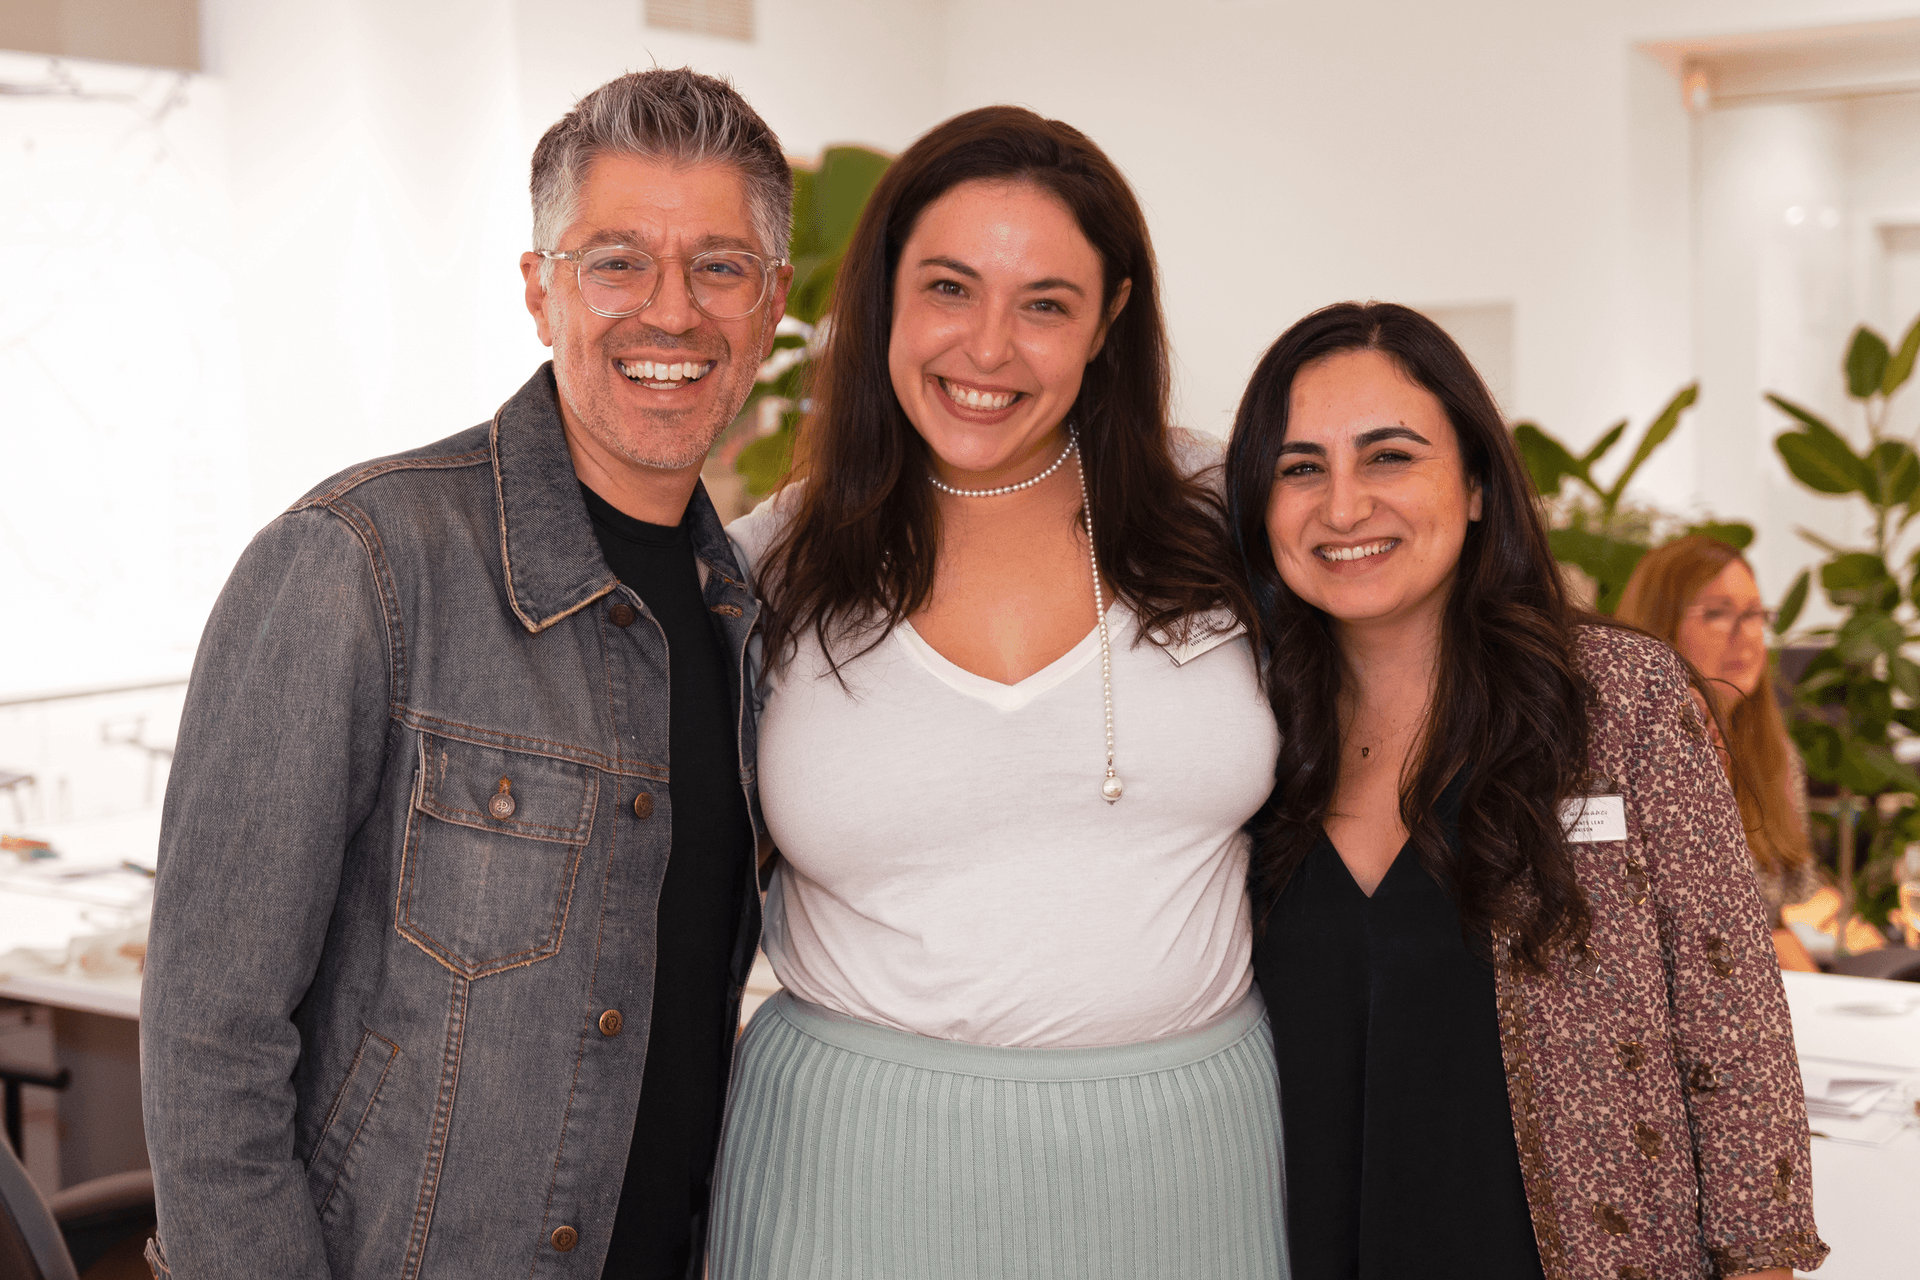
(1361, 441)
(1395, 432)
(954, 265)
(960, 268)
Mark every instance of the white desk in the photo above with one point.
(45, 905)
(1865, 1199)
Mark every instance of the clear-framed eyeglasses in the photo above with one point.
(1727, 620)
(616, 281)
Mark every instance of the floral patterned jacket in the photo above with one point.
(1656, 1097)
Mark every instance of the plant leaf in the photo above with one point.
(1663, 426)
(1867, 358)
(1822, 463)
(1791, 604)
(1598, 450)
(1867, 636)
(1895, 466)
(1608, 561)
(1904, 675)
(1807, 416)
(1859, 580)
(1900, 368)
(1548, 461)
(1819, 541)
(1820, 747)
(847, 177)
(1736, 534)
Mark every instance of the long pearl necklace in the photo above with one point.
(1110, 786)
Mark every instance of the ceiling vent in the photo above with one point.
(729, 19)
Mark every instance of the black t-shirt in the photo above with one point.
(682, 1091)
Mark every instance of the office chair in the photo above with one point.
(95, 1227)
(30, 1243)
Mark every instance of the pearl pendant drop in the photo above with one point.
(1111, 787)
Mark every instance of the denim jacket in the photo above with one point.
(402, 958)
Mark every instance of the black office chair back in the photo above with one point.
(30, 1243)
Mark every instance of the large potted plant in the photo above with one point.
(1594, 529)
(1860, 695)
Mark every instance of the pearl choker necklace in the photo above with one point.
(1007, 488)
(1110, 786)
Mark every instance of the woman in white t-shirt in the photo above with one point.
(1009, 738)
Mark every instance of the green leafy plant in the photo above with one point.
(1861, 693)
(827, 201)
(1595, 530)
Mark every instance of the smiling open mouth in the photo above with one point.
(968, 398)
(1361, 552)
(664, 377)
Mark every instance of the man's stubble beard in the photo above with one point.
(676, 451)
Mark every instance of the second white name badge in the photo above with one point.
(1592, 819)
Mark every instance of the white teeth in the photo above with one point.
(655, 373)
(979, 399)
(1360, 552)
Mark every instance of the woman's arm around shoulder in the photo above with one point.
(1732, 1037)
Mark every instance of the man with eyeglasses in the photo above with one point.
(456, 894)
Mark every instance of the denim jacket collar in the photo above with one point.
(548, 549)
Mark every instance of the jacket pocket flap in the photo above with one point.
(513, 792)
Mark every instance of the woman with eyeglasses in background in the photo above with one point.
(1699, 595)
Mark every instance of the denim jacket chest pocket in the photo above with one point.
(493, 844)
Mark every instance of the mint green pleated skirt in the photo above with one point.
(855, 1150)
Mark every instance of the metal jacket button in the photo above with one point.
(643, 805)
(564, 1238)
(610, 1023)
(621, 615)
(501, 806)
(727, 610)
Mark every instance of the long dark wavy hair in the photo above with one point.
(858, 554)
(1511, 704)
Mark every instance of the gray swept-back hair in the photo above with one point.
(677, 116)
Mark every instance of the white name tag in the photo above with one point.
(1591, 819)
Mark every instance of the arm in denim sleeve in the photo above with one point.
(1733, 1040)
(279, 760)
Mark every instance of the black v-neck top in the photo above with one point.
(1399, 1142)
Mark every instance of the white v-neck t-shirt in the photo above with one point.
(950, 868)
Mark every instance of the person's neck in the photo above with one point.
(652, 494)
(1394, 664)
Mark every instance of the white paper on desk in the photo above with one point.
(1875, 1129)
(1836, 1088)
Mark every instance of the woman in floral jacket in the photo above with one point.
(1525, 1006)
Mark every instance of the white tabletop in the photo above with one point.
(84, 892)
(1866, 1200)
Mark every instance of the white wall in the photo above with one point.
(121, 433)
(1479, 153)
